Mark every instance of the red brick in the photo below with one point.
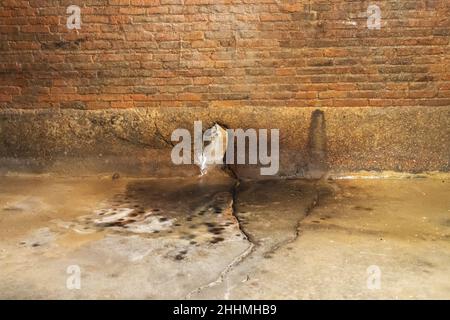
(132, 53)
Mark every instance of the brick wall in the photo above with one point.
(315, 53)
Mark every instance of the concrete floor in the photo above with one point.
(197, 238)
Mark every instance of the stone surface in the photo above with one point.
(284, 239)
(137, 142)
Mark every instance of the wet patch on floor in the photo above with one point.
(393, 225)
(213, 238)
(269, 214)
(193, 210)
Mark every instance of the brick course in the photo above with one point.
(165, 53)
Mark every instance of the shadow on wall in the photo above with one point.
(317, 164)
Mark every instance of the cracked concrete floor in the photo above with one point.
(214, 238)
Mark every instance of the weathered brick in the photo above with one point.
(132, 53)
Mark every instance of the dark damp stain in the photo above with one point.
(133, 214)
(217, 210)
(162, 219)
(183, 251)
(424, 263)
(188, 237)
(217, 230)
(237, 234)
(267, 256)
(317, 144)
(179, 257)
(217, 240)
(316, 221)
(193, 242)
(156, 210)
(156, 231)
(141, 211)
(189, 219)
(120, 224)
(210, 224)
(110, 224)
(202, 212)
(360, 208)
(177, 224)
(34, 245)
(136, 206)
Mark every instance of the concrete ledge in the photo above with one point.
(137, 141)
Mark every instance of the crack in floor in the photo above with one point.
(296, 234)
(253, 243)
(237, 260)
(311, 226)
